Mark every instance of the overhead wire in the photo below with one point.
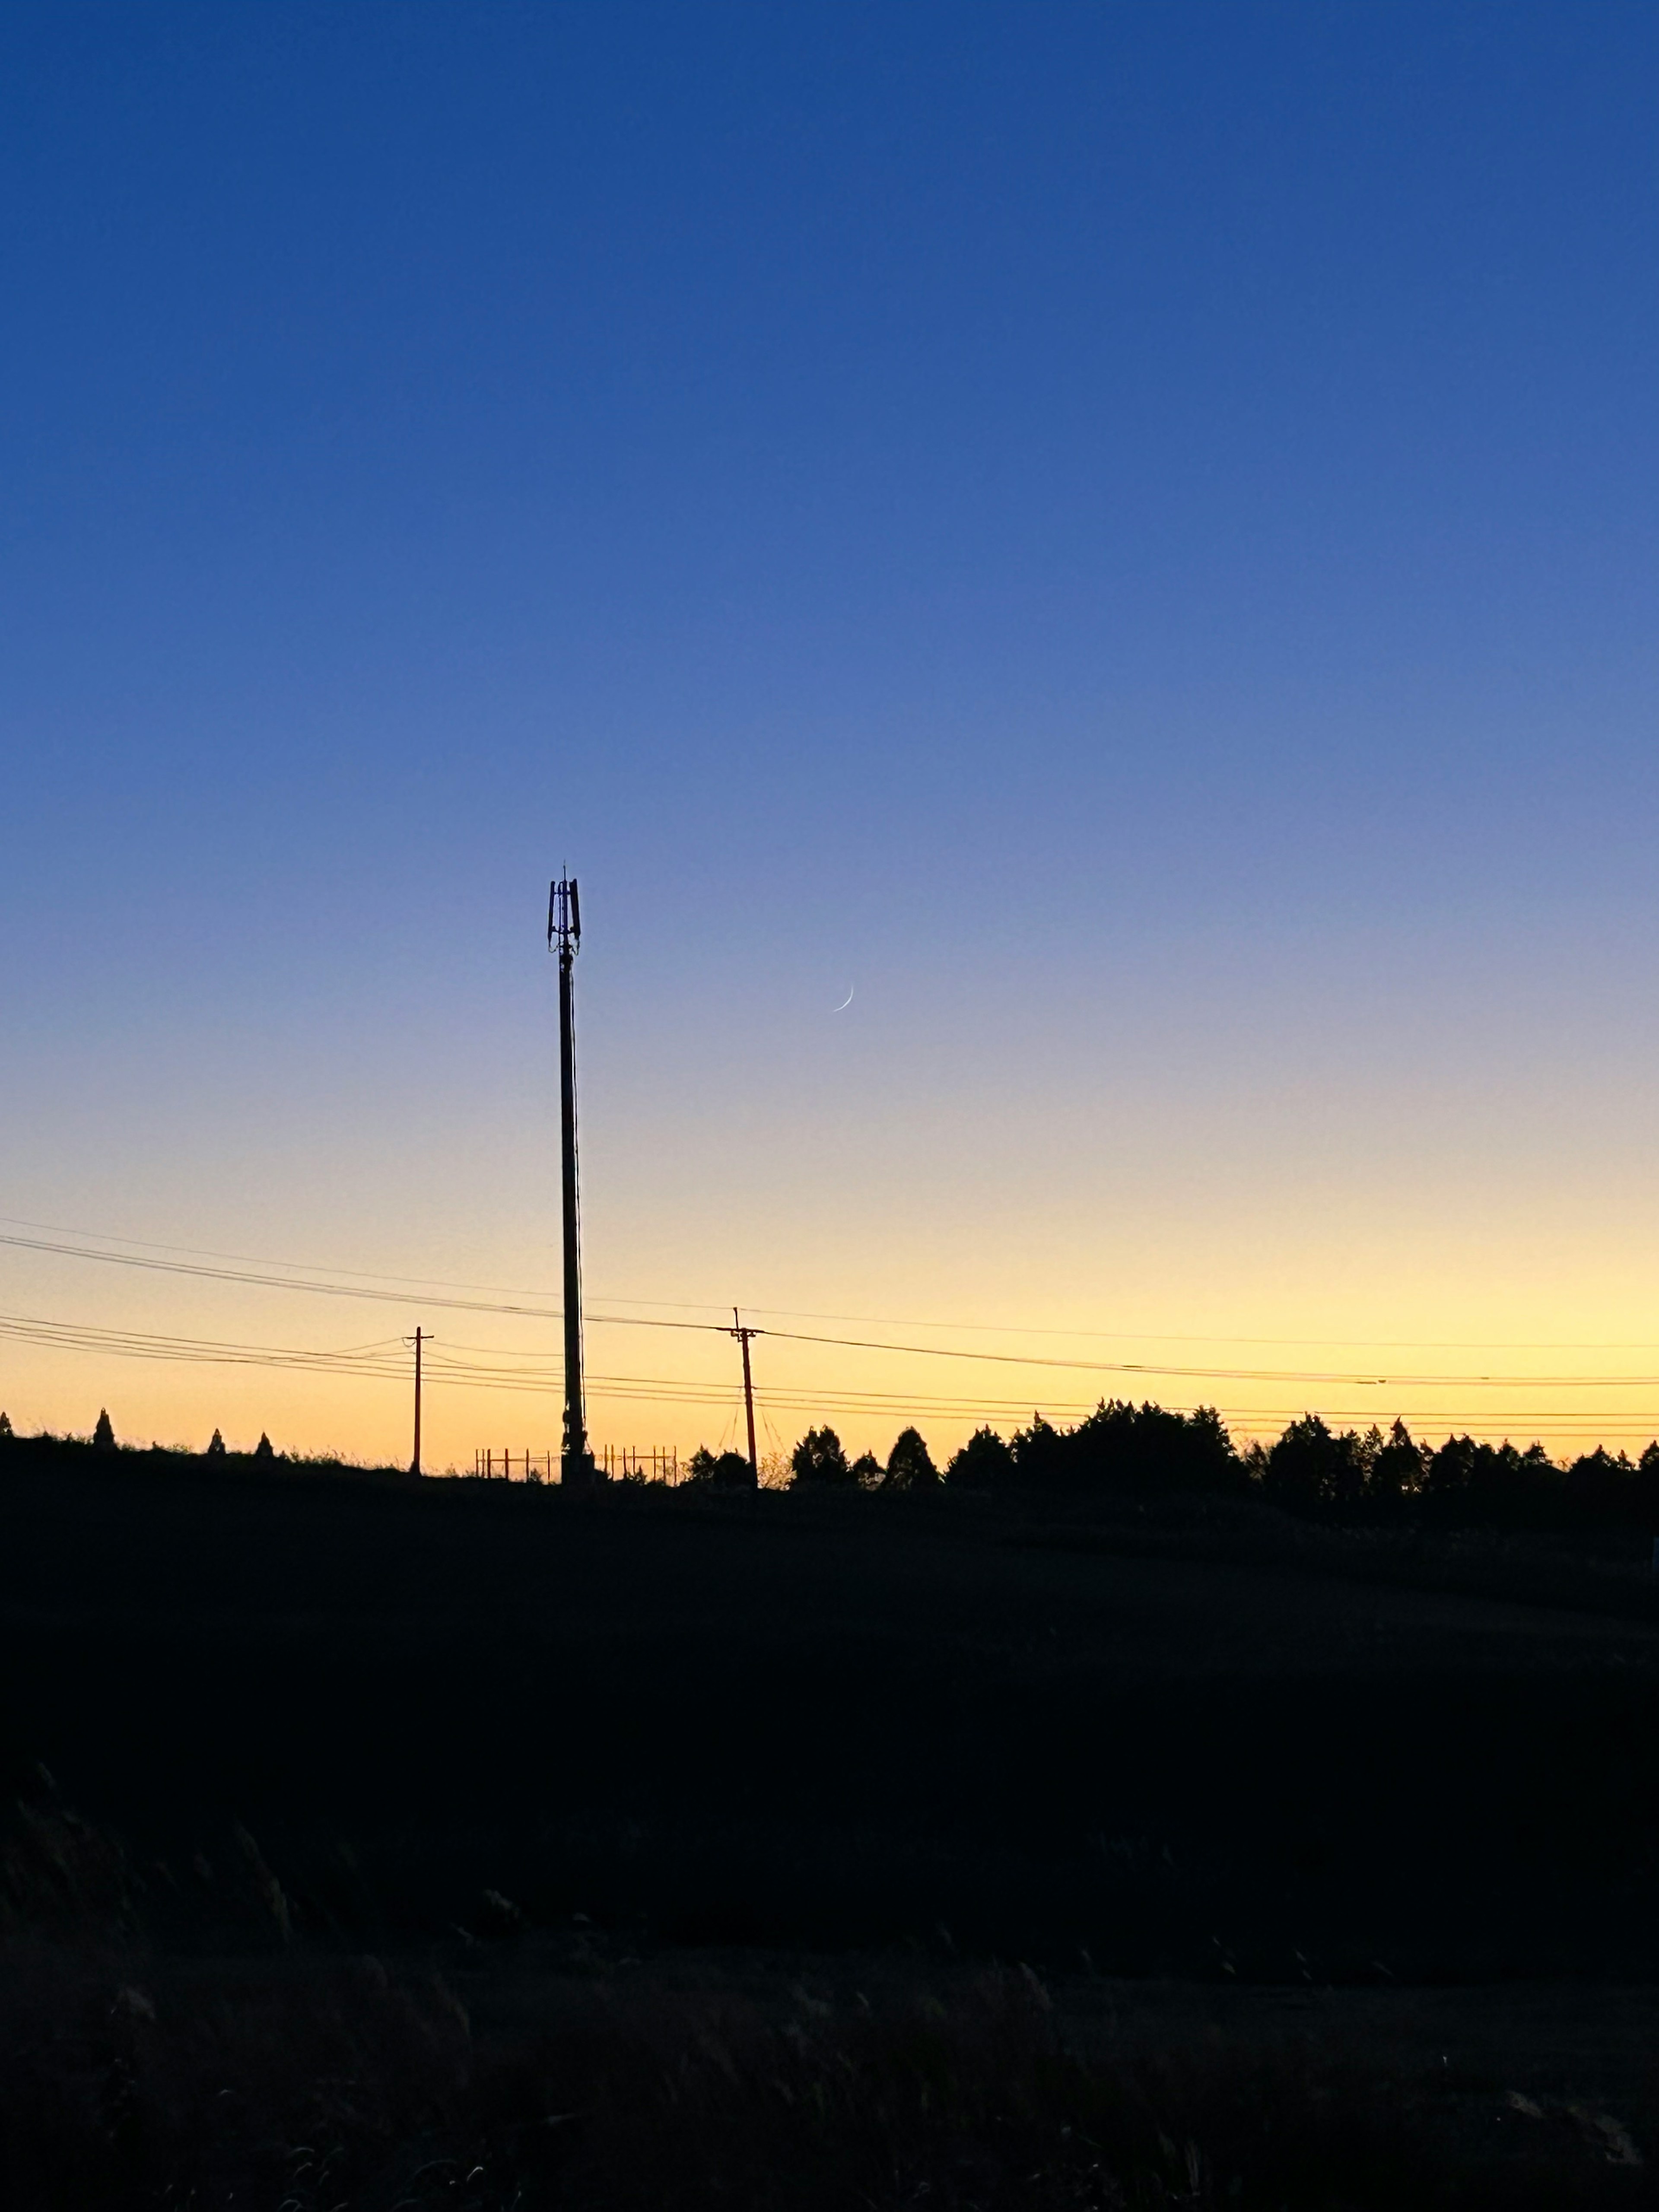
(879, 1403)
(383, 1361)
(872, 1320)
(1351, 1376)
(364, 1359)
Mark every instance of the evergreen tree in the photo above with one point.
(818, 1458)
(1647, 1488)
(1451, 1469)
(103, 1436)
(867, 1471)
(909, 1464)
(263, 1450)
(1310, 1467)
(1601, 1485)
(5, 1426)
(1146, 1447)
(1396, 1469)
(1123, 1445)
(1040, 1456)
(215, 1446)
(984, 1463)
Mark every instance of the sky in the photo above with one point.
(1123, 537)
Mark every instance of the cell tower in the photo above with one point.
(564, 935)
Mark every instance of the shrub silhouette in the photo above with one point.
(909, 1464)
(726, 1470)
(103, 1436)
(263, 1449)
(6, 1428)
(867, 1471)
(818, 1458)
(215, 1446)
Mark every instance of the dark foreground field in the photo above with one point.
(377, 1843)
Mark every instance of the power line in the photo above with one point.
(881, 1403)
(367, 1359)
(383, 1361)
(868, 1321)
(321, 1288)
(1350, 1377)
(251, 1259)
(1140, 1367)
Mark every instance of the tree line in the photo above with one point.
(1310, 1469)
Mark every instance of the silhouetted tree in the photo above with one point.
(1311, 1466)
(1467, 1482)
(1129, 1446)
(263, 1449)
(984, 1463)
(1396, 1468)
(1450, 1470)
(103, 1436)
(1601, 1485)
(1148, 1447)
(5, 1426)
(818, 1457)
(726, 1470)
(909, 1464)
(215, 1446)
(1356, 1458)
(1039, 1456)
(1647, 1489)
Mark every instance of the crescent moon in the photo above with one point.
(845, 1002)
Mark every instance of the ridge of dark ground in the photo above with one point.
(1199, 1771)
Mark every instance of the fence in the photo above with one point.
(616, 1462)
(626, 1463)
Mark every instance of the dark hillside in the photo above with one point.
(1209, 1741)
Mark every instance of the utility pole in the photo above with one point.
(564, 935)
(743, 1336)
(420, 1338)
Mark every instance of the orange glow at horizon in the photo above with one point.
(669, 1379)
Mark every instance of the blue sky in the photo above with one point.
(1125, 535)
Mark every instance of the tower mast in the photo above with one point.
(564, 935)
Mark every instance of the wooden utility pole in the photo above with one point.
(743, 1336)
(564, 935)
(415, 1464)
